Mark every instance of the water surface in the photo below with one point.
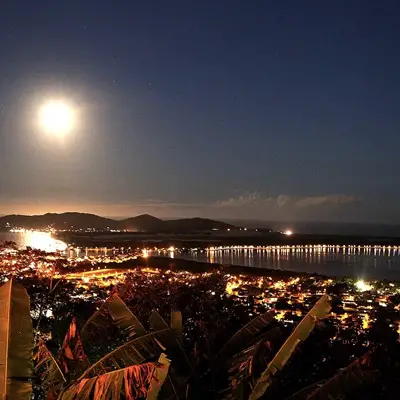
(360, 262)
(34, 239)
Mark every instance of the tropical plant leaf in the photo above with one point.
(71, 357)
(157, 322)
(182, 366)
(98, 320)
(121, 316)
(158, 378)
(248, 332)
(16, 342)
(169, 391)
(347, 380)
(301, 332)
(176, 323)
(246, 367)
(130, 383)
(270, 336)
(47, 368)
(182, 363)
(304, 392)
(134, 352)
(251, 358)
(124, 318)
(173, 344)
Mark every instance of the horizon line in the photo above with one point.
(121, 217)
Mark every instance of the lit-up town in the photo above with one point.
(198, 200)
(215, 301)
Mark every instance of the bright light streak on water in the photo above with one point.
(34, 239)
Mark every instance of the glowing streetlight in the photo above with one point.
(363, 286)
(288, 233)
(57, 118)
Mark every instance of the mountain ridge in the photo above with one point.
(82, 221)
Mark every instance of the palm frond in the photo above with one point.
(46, 366)
(135, 381)
(248, 332)
(72, 357)
(355, 375)
(300, 333)
(133, 352)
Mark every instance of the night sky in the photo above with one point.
(222, 108)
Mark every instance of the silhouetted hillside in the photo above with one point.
(83, 221)
(193, 224)
(144, 222)
(68, 220)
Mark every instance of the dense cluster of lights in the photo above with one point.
(323, 248)
(362, 286)
(359, 304)
(360, 301)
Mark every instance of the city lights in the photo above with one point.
(145, 253)
(362, 286)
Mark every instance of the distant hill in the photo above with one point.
(144, 222)
(68, 220)
(83, 221)
(194, 224)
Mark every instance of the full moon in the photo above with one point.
(57, 117)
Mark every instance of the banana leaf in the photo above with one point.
(157, 322)
(247, 333)
(124, 318)
(359, 373)
(176, 323)
(16, 342)
(47, 367)
(121, 316)
(246, 367)
(134, 352)
(173, 341)
(303, 393)
(301, 332)
(136, 381)
(159, 376)
(251, 357)
(182, 366)
(270, 336)
(72, 357)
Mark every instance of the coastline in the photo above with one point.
(134, 239)
(181, 264)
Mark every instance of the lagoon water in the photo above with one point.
(356, 261)
(359, 262)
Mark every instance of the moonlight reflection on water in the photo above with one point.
(34, 239)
